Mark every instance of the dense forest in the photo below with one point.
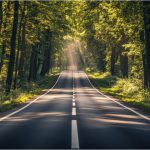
(31, 35)
(110, 36)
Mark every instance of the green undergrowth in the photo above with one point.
(30, 91)
(127, 90)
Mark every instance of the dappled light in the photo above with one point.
(35, 115)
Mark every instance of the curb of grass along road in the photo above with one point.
(112, 99)
(27, 105)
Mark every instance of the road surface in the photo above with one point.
(74, 115)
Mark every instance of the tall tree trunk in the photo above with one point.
(112, 65)
(13, 48)
(47, 54)
(19, 43)
(1, 15)
(103, 62)
(3, 41)
(17, 58)
(2, 55)
(22, 55)
(33, 64)
(124, 65)
(145, 71)
(3, 36)
(146, 7)
(102, 58)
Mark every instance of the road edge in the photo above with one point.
(112, 99)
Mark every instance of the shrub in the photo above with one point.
(127, 87)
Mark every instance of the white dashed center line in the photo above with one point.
(74, 130)
(73, 104)
(75, 139)
(73, 97)
(73, 111)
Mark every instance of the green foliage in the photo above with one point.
(103, 79)
(127, 87)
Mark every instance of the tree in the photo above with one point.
(13, 48)
(146, 7)
(1, 15)
(47, 54)
(4, 32)
(19, 64)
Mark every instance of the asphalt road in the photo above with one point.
(74, 115)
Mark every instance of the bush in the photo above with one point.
(126, 86)
(102, 79)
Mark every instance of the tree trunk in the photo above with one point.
(124, 65)
(146, 7)
(3, 36)
(19, 43)
(103, 63)
(47, 55)
(2, 55)
(22, 55)
(1, 15)
(145, 72)
(13, 48)
(33, 65)
(102, 59)
(112, 65)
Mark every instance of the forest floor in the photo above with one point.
(31, 91)
(123, 89)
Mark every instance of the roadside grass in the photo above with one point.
(31, 90)
(127, 90)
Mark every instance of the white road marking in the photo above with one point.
(73, 96)
(130, 109)
(15, 112)
(74, 137)
(73, 111)
(73, 82)
(74, 130)
(73, 104)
